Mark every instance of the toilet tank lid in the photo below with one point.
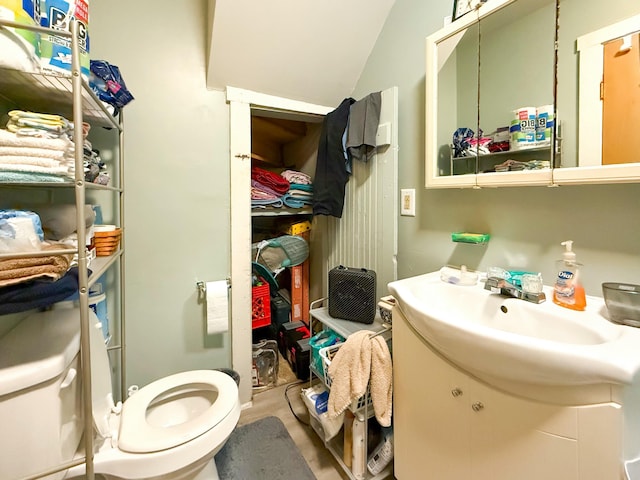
(39, 348)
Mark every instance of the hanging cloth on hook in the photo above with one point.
(331, 171)
(364, 118)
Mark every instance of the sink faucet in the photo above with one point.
(503, 287)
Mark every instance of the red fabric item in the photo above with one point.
(272, 180)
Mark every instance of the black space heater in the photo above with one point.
(352, 294)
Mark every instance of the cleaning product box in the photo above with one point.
(544, 125)
(523, 128)
(20, 48)
(55, 51)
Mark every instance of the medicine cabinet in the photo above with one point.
(539, 60)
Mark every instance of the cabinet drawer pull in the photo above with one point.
(456, 392)
(477, 406)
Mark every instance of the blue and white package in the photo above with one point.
(107, 83)
(55, 51)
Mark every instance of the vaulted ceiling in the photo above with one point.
(306, 50)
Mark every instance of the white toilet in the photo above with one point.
(169, 429)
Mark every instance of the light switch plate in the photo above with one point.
(408, 202)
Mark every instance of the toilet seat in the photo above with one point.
(136, 435)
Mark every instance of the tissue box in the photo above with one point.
(385, 307)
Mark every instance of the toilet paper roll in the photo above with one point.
(217, 307)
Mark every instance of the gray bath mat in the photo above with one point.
(262, 450)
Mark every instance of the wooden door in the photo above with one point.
(241, 103)
(620, 94)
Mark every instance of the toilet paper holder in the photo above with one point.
(202, 289)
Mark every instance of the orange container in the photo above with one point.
(107, 242)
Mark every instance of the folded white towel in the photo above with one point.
(32, 152)
(10, 167)
(10, 139)
(25, 160)
(295, 176)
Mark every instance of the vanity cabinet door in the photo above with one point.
(431, 418)
(516, 438)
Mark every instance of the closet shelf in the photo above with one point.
(69, 184)
(53, 93)
(280, 212)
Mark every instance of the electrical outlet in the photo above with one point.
(408, 202)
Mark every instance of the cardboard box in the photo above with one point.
(300, 288)
(297, 307)
(55, 51)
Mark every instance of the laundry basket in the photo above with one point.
(327, 354)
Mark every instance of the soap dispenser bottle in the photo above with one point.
(568, 291)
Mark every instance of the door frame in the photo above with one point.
(241, 102)
(590, 50)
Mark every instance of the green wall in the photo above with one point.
(527, 224)
(176, 181)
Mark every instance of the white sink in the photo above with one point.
(507, 341)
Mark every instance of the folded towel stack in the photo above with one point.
(293, 176)
(43, 125)
(291, 189)
(35, 154)
(271, 180)
(19, 270)
(47, 228)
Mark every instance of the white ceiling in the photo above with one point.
(307, 50)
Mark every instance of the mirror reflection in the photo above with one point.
(457, 107)
(495, 99)
(598, 99)
(516, 111)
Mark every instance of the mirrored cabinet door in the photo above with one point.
(470, 127)
(587, 50)
(598, 98)
(452, 103)
(516, 98)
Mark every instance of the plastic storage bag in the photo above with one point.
(326, 338)
(107, 83)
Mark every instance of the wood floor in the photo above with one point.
(274, 402)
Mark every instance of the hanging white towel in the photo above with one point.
(217, 307)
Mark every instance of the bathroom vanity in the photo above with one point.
(495, 388)
(450, 426)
